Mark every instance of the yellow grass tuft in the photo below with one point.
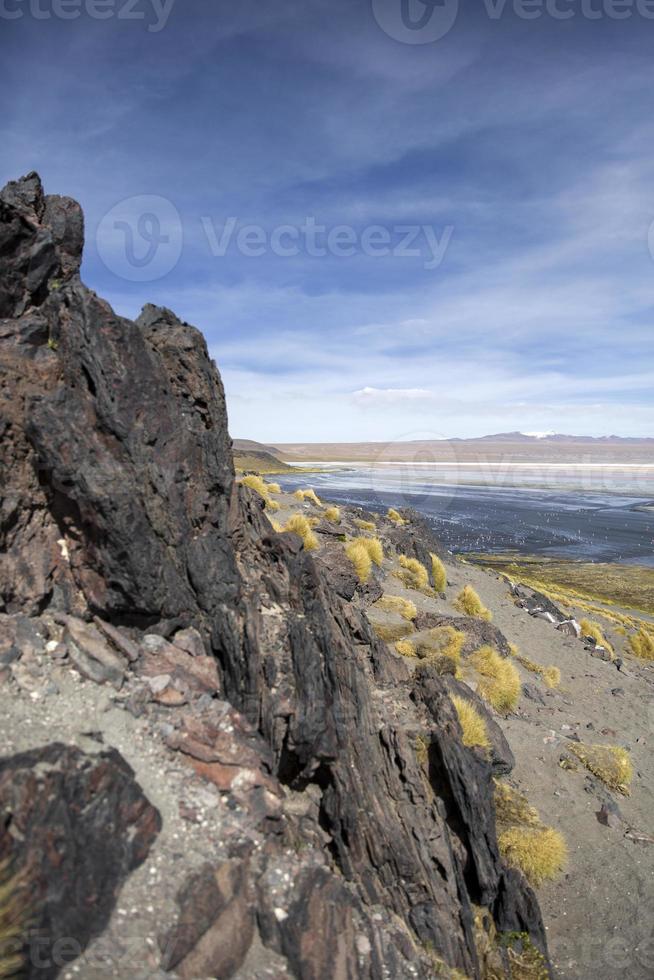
(374, 548)
(414, 574)
(472, 724)
(360, 558)
(641, 645)
(298, 524)
(406, 648)
(264, 489)
(588, 628)
(524, 841)
(443, 641)
(395, 603)
(276, 526)
(438, 574)
(609, 763)
(539, 852)
(14, 921)
(333, 515)
(500, 680)
(551, 675)
(512, 808)
(364, 525)
(469, 603)
(308, 494)
(395, 516)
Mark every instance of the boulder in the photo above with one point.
(570, 627)
(57, 804)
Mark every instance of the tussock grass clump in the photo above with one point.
(333, 515)
(392, 632)
(445, 641)
(539, 852)
(298, 524)
(500, 681)
(641, 645)
(405, 648)
(264, 489)
(472, 724)
(374, 548)
(438, 573)
(308, 494)
(364, 525)
(469, 603)
(14, 921)
(588, 628)
(609, 763)
(395, 603)
(360, 558)
(551, 675)
(512, 808)
(394, 516)
(414, 575)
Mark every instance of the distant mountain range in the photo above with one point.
(507, 447)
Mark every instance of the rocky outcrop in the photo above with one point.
(120, 504)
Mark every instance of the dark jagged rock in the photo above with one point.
(120, 503)
(56, 806)
(478, 632)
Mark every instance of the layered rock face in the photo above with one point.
(119, 503)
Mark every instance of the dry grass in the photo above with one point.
(364, 525)
(14, 922)
(414, 575)
(405, 648)
(264, 490)
(472, 724)
(298, 524)
(512, 808)
(609, 763)
(551, 675)
(539, 852)
(395, 603)
(499, 682)
(360, 558)
(392, 632)
(641, 645)
(333, 515)
(394, 516)
(469, 603)
(588, 628)
(308, 494)
(439, 574)
(444, 641)
(374, 548)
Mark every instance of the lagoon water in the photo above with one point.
(594, 513)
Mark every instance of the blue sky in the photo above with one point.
(518, 153)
